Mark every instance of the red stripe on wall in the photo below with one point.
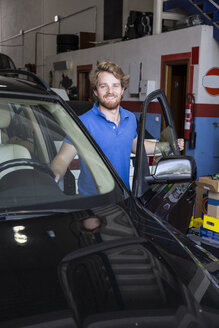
(202, 110)
(133, 106)
(136, 106)
(207, 110)
(182, 55)
(195, 55)
(191, 74)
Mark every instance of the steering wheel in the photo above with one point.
(27, 162)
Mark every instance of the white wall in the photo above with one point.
(30, 15)
(38, 16)
(148, 51)
(13, 18)
(208, 58)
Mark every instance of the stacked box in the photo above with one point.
(213, 204)
(210, 227)
(211, 223)
(201, 202)
(212, 187)
(208, 183)
(209, 235)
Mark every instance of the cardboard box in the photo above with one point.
(201, 201)
(208, 183)
(212, 186)
(211, 223)
(213, 204)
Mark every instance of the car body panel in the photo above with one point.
(107, 259)
(77, 259)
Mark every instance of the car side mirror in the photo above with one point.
(174, 169)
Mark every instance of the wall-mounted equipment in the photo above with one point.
(135, 74)
(138, 24)
(62, 65)
(146, 87)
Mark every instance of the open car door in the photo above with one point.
(164, 180)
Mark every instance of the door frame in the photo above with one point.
(176, 59)
(167, 62)
(82, 69)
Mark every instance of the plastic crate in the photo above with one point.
(209, 234)
(211, 223)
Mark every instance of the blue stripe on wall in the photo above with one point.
(206, 152)
(153, 124)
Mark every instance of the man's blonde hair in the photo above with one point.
(110, 67)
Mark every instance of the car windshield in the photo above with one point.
(32, 133)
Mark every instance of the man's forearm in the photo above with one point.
(150, 146)
(58, 167)
(62, 160)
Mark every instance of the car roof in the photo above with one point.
(9, 84)
(29, 83)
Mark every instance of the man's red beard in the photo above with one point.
(110, 104)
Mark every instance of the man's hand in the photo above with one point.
(62, 160)
(152, 147)
(180, 143)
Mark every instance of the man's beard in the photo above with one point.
(110, 104)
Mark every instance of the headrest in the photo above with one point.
(5, 116)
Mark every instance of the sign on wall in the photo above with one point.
(211, 81)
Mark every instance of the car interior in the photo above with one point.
(31, 135)
(9, 151)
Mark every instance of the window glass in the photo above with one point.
(6, 62)
(158, 130)
(32, 133)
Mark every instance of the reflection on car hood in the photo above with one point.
(93, 263)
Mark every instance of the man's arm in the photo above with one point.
(150, 146)
(62, 160)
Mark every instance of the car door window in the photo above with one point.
(165, 140)
(164, 197)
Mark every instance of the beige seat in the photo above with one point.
(9, 151)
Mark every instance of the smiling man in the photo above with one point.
(112, 127)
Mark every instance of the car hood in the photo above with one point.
(93, 264)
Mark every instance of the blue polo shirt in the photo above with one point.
(115, 142)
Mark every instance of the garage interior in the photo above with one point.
(169, 44)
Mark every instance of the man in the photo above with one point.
(112, 127)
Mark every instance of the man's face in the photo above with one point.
(108, 90)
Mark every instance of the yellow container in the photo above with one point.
(211, 223)
(195, 222)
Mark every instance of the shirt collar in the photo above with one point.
(123, 113)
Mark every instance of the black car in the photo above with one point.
(110, 259)
(6, 62)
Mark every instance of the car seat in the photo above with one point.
(9, 151)
(20, 131)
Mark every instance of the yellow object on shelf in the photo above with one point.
(211, 223)
(195, 222)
